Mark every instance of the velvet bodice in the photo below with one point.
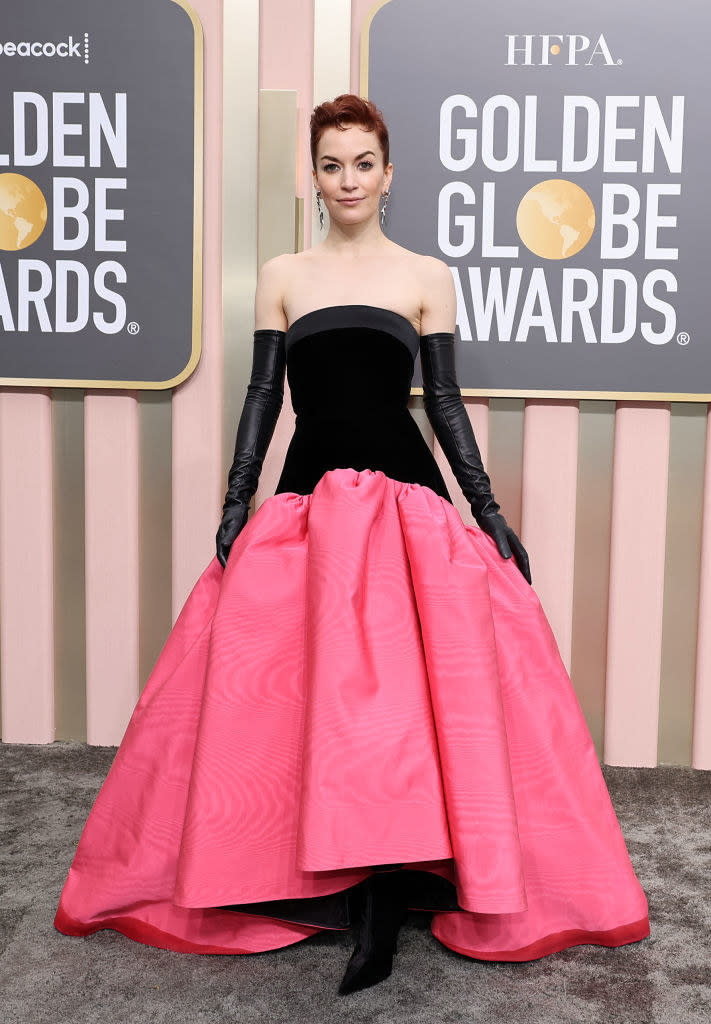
(350, 370)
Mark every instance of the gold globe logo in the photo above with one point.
(23, 212)
(555, 219)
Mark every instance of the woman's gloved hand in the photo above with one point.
(506, 540)
(233, 519)
(445, 410)
(265, 396)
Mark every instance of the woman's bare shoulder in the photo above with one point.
(278, 268)
(272, 285)
(280, 271)
(429, 270)
(439, 299)
(431, 267)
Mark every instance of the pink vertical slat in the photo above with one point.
(701, 756)
(112, 582)
(26, 567)
(198, 484)
(548, 498)
(286, 60)
(634, 632)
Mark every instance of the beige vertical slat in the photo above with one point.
(69, 581)
(592, 562)
(240, 149)
(505, 465)
(687, 445)
(332, 72)
(277, 172)
(701, 757)
(155, 526)
(277, 193)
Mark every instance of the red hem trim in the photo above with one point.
(558, 941)
(149, 935)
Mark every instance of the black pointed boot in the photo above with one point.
(383, 910)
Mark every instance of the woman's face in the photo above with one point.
(350, 173)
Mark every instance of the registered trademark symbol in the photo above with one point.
(619, 60)
(133, 327)
(683, 338)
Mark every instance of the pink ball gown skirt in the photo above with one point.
(367, 682)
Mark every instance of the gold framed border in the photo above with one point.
(365, 46)
(143, 385)
(639, 396)
(630, 396)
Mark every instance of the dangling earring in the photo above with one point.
(320, 211)
(386, 196)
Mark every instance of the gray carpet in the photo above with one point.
(47, 793)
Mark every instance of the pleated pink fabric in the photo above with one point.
(367, 682)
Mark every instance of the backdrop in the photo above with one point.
(109, 502)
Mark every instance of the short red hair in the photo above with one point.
(348, 109)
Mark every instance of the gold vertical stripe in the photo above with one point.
(687, 449)
(69, 595)
(299, 224)
(154, 527)
(592, 562)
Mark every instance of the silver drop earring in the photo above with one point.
(320, 211)
(386, 196)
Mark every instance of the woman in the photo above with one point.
(361, 709)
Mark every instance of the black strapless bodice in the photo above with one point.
(350, 371)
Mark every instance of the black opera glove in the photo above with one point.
(262, 405)
(453, 429)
